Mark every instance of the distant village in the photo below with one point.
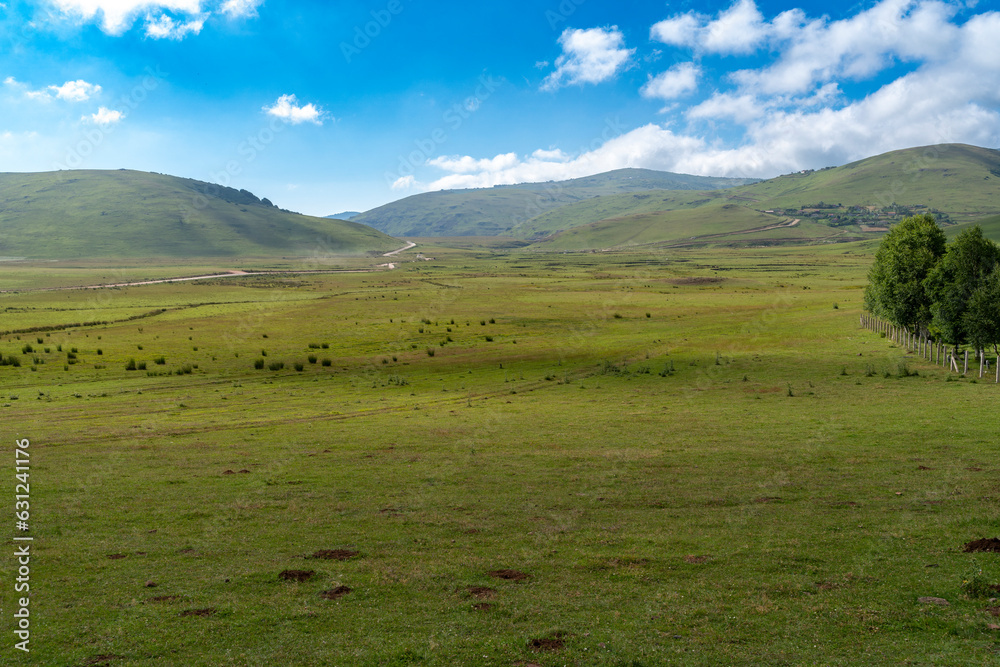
(868, 218)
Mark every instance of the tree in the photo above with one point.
(906, 256)
(969, 260)
(982, 316)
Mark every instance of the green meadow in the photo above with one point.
(493, 457)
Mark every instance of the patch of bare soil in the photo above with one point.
(335, 554)
(482, 592)
(554, 642)
(335, 593)
(766, 499)
(198, 612)
(296, 575)
(991, 544)
(117, 556)
(103, 659)
(696, 560)
(165, 598)
(509, 575)
(995, 611)
(229, 472)
(483, 606)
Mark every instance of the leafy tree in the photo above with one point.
(982, 316)
(969, 260)
(903, 261)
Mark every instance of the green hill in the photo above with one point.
(959, 183)
(498, 210)
(108, 214)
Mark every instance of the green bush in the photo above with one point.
(299, 366)
(313, 358)
(327, 362)
(131, 365)
(259, 364)
(276, 365)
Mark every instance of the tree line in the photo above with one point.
(948, 291)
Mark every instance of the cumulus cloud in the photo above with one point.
(165, 27)
(165, 19)
(104, 117)
(71, 91)
(288, 109)
(241, 8)
(117, 16)
(589, 56)
(677, 81)
(795, 119)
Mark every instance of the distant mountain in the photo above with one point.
(499, 210)
(346, 215)
(958, 183)
(109, 214)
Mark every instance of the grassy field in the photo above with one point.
(687, 457)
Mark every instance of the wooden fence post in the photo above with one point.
(966, 365)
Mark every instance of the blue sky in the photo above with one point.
(342, 105)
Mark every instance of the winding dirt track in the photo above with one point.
(228, 274)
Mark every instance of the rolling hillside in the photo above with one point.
(108, 214)
(496, 211)
(959, 183)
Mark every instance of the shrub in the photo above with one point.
(139, 346)
(263, 353)
(42, 340)
(482, 323)
(327, 362)
(975, 584)
(325, 346)
(276, 365)
(100, 351)
(70, 356)
(430, 352)
(492, 321)
(618, 316)
(160, 361)
(259, 364)
(130, 366)
(314, 346)
(141, 366)
(489, 339)
(313, 358)
(299, 366)
(27, 349)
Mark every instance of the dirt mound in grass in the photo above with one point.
(102, 660)
(335, 593)
(296, 575)
(995, 611)
(117, 556)
(483, 606)
(696, 560)
(482, 592)
(198, 612)
(335, 554)
(991, 544)
(509, 575)
(554, 642)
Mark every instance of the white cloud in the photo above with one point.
(165, 27)
(165, 19)
(681, 30)
(738, 29)
(287, 108)
(75, 91)
(117, 16)
(105, 117)
(589, 56)
(679, 80)
(71, 91)
(240, 8)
